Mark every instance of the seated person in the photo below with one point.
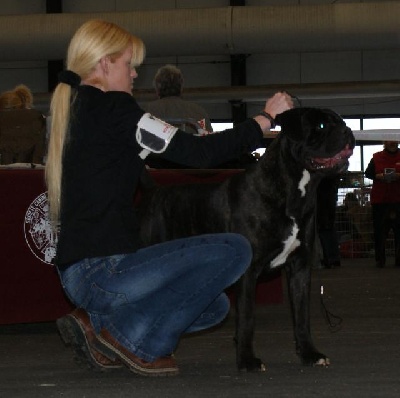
(359, 218)
(170, 106)
(22, 129)
(22, 136)
(186, 115)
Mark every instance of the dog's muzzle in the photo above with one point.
(338, 161)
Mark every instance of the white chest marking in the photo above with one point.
(290, 244)
(304, 181)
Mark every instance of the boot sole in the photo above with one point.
(112, 353)
(74, 336)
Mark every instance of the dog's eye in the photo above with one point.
(320, 126)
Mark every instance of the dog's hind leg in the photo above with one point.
(299, 282)
(245, 303)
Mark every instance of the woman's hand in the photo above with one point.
(278, 103)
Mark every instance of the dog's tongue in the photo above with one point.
(338, 158)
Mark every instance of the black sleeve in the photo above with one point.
(214, 149)
(370, 170)
(125, 111)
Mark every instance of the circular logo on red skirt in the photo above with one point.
(40, 237)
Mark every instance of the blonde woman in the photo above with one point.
(133, 303)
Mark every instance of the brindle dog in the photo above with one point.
(273, 205)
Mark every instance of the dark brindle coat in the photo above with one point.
(272, 204)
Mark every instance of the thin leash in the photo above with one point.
(334, 321)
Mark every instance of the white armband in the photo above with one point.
(153, 135)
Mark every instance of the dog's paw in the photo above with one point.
(315, 359)
(322, 362)
(252, 365)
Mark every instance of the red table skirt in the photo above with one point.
(29, 284)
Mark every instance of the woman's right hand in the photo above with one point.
(278, 103)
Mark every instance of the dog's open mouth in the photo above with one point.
(329, 163)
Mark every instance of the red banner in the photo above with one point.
(29, 284)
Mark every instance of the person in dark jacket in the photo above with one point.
(384, 171)
(22, 128)
(170, 105)
(133, 304)
(327, 193)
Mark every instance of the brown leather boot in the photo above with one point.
(76, 330)
(163, 366)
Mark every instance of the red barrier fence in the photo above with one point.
(29, 284)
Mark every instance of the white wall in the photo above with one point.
(214, 71)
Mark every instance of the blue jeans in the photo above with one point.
(149, 298)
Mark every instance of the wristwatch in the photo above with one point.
(269, 117)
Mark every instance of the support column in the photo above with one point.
(238, 78)
(54, 66)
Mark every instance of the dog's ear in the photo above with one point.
(291, 122)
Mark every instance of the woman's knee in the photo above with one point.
(242, 246)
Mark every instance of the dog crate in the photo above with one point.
(354, 218)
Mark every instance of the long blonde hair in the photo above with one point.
(92, 41)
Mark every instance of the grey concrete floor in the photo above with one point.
(364, 351)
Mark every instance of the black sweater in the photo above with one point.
(101, 171)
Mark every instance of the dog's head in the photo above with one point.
(319, 136)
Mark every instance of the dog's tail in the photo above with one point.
(146, 181)
(146, 186)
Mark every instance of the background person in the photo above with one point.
(168, 84)
(327, 193)
(133, 303)
(18, 98)
(383, 170)
(22, 129)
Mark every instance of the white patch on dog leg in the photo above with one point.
(323, 362)
(290, 244)
(304, 181)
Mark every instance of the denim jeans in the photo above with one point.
(149, 298)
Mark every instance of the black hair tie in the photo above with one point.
(70, 78)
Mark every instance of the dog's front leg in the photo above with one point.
(299, 283)
(245, 303)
